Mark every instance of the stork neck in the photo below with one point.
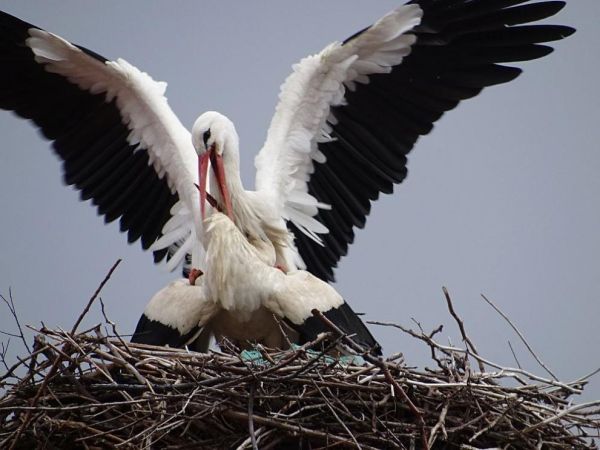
(233, 182)
(245, 214)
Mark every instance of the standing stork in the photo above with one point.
(346, 120)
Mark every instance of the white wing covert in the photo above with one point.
(120, 142)
(303, 119)
(401, 75)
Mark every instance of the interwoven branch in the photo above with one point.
(171, 397)
(89, 389)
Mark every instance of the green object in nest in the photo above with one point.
(255, 357)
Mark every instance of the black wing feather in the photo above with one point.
(460, 48)
(152, 332)
(346, 320)
(89, 136)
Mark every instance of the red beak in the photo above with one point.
(202, 175)
(216, 162)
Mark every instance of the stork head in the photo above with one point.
(213, 129)
(216, 141)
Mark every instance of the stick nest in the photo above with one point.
(92, 389)
(87, 390)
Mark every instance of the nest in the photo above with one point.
(92, 389)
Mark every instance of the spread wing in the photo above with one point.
(120, 143)
(349, 116)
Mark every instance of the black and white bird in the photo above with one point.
(241, 297)
(346, 120)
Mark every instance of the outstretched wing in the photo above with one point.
(302, 120)
(342, 136)
(121, 144)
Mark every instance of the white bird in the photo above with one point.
(241, 297)
(346, 119)
(173, 316)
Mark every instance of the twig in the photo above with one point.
(91, 300)
(290, 428)
(250, 419)
(512, 350)
(560, 415)
(384, 367)
(340, 421)
(439, 424)
(3, 353)
(113, 325)
(505, 317)
(449, 350)
(59, 359)
(13, 311)
(461, 326)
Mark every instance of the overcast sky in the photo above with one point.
(501, 199)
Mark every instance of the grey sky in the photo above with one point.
(501, 199)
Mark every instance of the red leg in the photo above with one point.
(194, 275)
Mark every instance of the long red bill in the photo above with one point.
(202, 175)
(217, 161)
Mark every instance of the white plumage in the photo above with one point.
(318, 83)
(243, 279)
(153, 127)
(181, 305)
(241, 296)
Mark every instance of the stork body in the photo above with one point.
(241, 297)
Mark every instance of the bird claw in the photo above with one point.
(194, 275)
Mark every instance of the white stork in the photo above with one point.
(238, 298)
(347, 118)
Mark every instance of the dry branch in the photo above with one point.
(99, 393)
(90, 390)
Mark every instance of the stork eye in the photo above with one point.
(206, 137)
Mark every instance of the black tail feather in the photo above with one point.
(345, 319)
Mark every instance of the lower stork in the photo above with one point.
(242, 298)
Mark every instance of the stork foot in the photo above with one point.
(194, 275)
